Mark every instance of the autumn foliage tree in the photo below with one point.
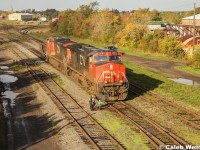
(127, 29)
(130, 35)
(171, 46)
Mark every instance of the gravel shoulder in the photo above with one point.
(35, 121)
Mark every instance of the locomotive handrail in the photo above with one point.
(126, 80)
(98, 80)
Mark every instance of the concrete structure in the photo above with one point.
(20, 16)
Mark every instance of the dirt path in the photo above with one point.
(162, 67)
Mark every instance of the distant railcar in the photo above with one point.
(99, 70)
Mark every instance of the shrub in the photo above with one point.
(171, 46)
(196, 57)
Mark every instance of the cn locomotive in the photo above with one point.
(101, 71)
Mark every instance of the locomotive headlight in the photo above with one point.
(111, 67)
(121, 81)
(105, 82)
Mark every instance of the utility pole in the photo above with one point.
(194, 28)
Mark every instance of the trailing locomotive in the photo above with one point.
(99, 70)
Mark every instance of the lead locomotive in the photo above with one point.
(101, 71)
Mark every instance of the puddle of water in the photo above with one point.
(8, 78)
(8, 100)
(10, 95)
(186, 81)
(9, 71)
(4, 67)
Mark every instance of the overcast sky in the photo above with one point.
(127, 5)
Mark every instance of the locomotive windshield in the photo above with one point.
(100, 59)
(115, 58)
(63, 40)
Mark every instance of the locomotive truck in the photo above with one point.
(101, 71)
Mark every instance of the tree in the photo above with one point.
(54, 25)
(131, 35)
(196, 57)
(104, 24)
(149, 42)
(140, 16)
(65, 25)
(171, 46)
(155, 15)
(171, 17)
(87, 10)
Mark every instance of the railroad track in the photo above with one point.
(157, 135)
(92, 133)
(186, 116)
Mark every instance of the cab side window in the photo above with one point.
(90, 59)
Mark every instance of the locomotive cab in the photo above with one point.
(109, 72)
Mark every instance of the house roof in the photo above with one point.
(197, 17)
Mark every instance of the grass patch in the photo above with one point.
(40, 36)
(57, 79)
(168, 121)
(2, 129)
(8, 46)
(189, 69)
(15, 66)
(17, 37)
(163, 86)
(122, 131)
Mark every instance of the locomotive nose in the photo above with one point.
(112, 73)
